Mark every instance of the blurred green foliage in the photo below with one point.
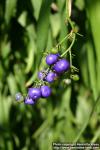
(28, 28)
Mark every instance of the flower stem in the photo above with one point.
(71, 23)
(69, 48)
(70, 54)
(67, 36)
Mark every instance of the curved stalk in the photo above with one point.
(67, 36)
(69, 48)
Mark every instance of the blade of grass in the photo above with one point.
(91, 68)
(87, 121)
(36, 5)
(43, 25)
(93, 14)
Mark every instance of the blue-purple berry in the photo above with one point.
(51, 59)
(46, 91)
(34, 93)
(51, 76)
(40, 75)
(61, 66)
(29, 101)
(18, 96)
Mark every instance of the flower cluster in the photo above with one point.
(57, 66)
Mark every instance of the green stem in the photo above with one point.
(67, 36)
(69, 48)
(70, 22)
(68, 8)
(70, 54)
(86, 123)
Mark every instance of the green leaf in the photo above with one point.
(31, 48)
(31, 80)
(55, 24)
(83, 66)
(23, 18)
(5, 48)
(43, 25)
(80, 4)
(19, 75)
(93, 14)
(91, 67)
(10, 10)
(31, 54)
(83, 109)
(64, 29)
(65, 104)
(61, 5)
(5, 106)
(31, 31)
(50, 41)
(36, 5)
(12, 84)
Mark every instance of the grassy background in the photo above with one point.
(27, 29)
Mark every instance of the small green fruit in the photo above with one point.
(54, 51)
(74, 77)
